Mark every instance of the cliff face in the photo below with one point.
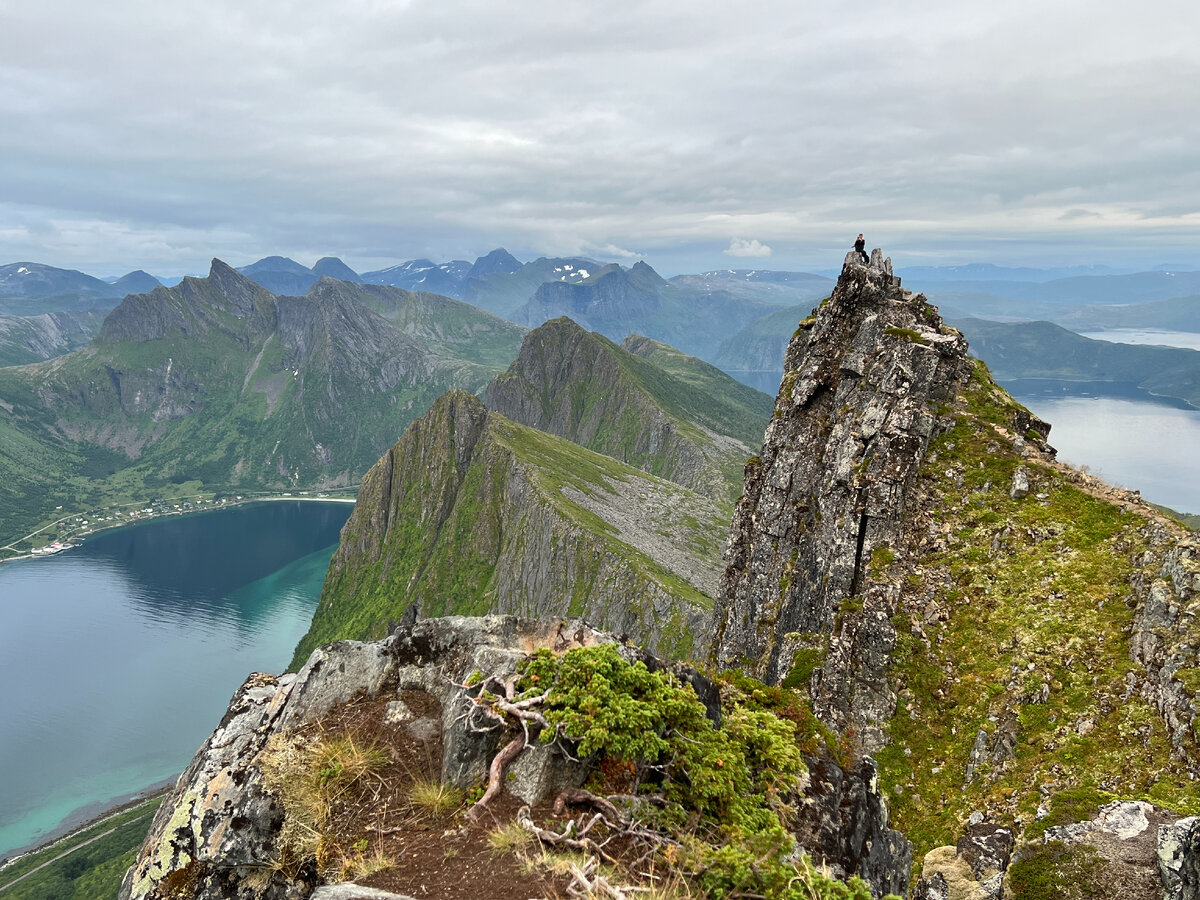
(827, 499)
(581, 386)
(470, 513)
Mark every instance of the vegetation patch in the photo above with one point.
(722, 795)
(906, 334)
(1030, 647)
(1055, 871)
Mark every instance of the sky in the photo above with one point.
(695, 135)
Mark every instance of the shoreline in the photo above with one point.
(77, 540)
(88, 817)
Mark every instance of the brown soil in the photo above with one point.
(434, 855)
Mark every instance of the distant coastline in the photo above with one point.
(150, 513)
(87, 817)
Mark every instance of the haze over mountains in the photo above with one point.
(738, 319)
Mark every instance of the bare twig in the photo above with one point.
(579, 797)
(565, 839)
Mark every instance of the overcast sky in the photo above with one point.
(694, 134)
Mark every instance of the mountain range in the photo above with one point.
(985, 658)
(219, 384)
(28, 288)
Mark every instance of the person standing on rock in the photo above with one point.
(860, 246)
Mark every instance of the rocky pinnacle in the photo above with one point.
(824, 504)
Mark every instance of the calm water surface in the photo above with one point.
(117, 658)
(1187, 339)
(1130, 440)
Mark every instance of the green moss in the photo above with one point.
(906, 334)
(1036, 595)
(1055, 871)
(806, 661)
(881, 560)
(1068, 806)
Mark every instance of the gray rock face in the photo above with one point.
(824, 505)
(1166, 635)
(1179, 859)
(1020, 484)
(844, 825)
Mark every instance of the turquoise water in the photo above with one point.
(118, 658)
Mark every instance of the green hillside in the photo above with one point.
(470, 513)
(218, 385)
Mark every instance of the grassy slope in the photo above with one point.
(697, 391)
(241, 440)
(91, 872)
(1035, 591)
(450, 568)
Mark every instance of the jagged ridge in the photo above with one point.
(471, 513)
(695, 428)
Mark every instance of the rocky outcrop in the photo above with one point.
(470, 513)
(1166, 632)
(217, 832)
(217, 835)
(824, 505)
(843, 824)
(972, 870)
(580, 386)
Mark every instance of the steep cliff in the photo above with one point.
(27, 339)
(1012, 639)
(471, 513)
(828, 497)
(687, 425)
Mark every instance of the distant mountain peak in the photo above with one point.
(499, 260)
(332, 267)
(275, 264)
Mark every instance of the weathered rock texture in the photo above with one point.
(614, 400)
(470, 513)
(973, 870)
(858, 404)
(843, 824)
(1166, 635)
(216, 835)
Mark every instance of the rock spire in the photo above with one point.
(825, 502)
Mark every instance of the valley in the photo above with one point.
(596, 479)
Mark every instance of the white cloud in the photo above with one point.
(740, 247)
(398, 129)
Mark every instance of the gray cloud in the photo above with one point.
(158, 135)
